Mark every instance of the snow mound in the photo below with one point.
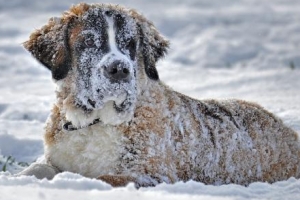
(68, 184)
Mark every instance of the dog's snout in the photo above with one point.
(117, 71)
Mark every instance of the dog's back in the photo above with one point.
(239, 142)
(215, 142)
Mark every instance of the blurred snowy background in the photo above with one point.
(246, 49)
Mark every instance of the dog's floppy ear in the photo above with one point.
(49, 45)
(154, 45)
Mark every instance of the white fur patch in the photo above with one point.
(92, 151)
(112, 37)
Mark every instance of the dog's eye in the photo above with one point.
(89, 42)
(131, 46)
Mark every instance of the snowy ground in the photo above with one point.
(247, 49)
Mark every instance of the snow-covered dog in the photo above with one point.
(116, 121)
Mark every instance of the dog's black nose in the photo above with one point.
(117, 71)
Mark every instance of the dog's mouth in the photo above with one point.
(68, 126)
(119, 104)
(112, 109)
(118, 107)
(92, 103)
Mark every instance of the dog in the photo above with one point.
(114, 119)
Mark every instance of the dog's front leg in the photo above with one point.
(40, 171)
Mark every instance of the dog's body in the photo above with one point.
(116, 121)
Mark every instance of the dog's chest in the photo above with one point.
(92, 151)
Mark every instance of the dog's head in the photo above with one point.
(96, 54)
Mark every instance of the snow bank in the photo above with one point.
(78, 187)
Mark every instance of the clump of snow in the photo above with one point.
(64, 180)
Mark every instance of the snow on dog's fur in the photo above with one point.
(116, 121)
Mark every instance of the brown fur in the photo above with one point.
(274, 168)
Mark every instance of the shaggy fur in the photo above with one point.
(162, 135)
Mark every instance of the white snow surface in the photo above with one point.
(245, 49)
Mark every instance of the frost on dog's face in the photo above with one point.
(103, 46)
(97, 54)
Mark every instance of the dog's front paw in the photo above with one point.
(117, 180)
(40, 171)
